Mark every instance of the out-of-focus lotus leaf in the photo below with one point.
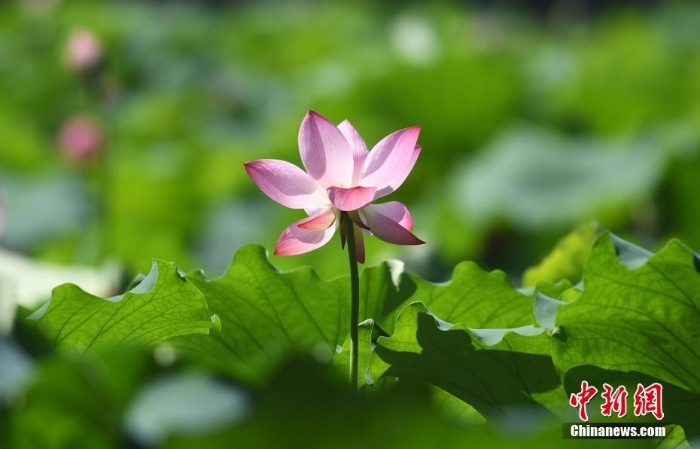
(536, 179)
(566, 260)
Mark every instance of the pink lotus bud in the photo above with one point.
(80, 138)
(83, 50)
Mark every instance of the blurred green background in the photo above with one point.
(124, 126)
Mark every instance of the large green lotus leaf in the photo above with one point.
(499, 372)
(637, 312)
(266, 315)
(473, 297)
(164, 305)
(638, 319)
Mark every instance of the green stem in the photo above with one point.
(354, 298)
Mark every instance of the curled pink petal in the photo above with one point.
(359, 238)
(318, 222)
(395, 211)
(352, 198)
(325, 152)
(343, 235)
(390, 160)
(286, 183)
(387, 229)
(295, 240)
(355, 217)
(358, 147)
(396, 183)
(359, 245)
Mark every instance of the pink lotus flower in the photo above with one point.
(341, 175)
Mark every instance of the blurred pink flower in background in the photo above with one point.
(81, 138)
(83, 50)
(341, 175)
